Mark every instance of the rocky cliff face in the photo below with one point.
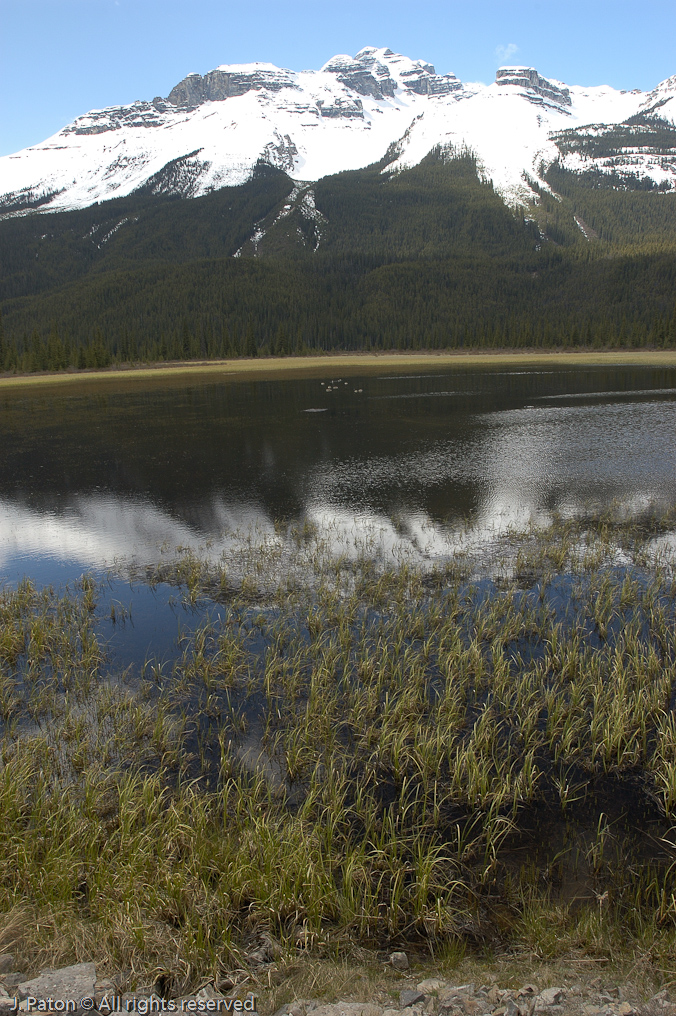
(365, 76)
(380, 72)
(99, 121)
(341, 107)
(528, 77)
(224, 84)
(376, 73)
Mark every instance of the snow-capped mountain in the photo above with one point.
(211, 131)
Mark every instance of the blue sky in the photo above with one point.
(60, 58)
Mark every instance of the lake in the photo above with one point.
(104, 475)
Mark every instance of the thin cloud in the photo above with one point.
(504, 53)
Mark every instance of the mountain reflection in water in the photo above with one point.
(98, 474)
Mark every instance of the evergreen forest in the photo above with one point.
(430, 258)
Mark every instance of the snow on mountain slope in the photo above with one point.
(662, 100)
(508, 126)
(211, 131)
(637, 149)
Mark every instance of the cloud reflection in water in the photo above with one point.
(514, 468)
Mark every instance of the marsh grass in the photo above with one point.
(386, 756)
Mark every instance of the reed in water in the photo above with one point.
(382, 757)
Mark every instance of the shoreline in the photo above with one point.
(353, 362)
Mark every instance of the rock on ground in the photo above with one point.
(433, 996)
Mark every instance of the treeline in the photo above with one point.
(643, 132)
(246, 307)
(395, 313)
(55, 352)
(426, 259)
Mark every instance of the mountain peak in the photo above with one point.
(528, 78)
(662, 94)
(227, 81)
(380, 72)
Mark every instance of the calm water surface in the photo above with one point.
(95, 475)
(98, 476)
